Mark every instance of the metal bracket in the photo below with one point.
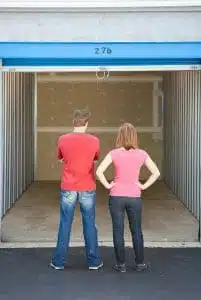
(157, 94)
(196, 67)
(157, 136)
(105, 72)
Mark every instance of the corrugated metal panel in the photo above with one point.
(182, 122)
(18, 136)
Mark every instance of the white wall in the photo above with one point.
(100, 26)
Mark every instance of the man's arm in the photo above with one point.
(59, 154)
(97, 154)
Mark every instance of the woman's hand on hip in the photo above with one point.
(110, 185)
(141, 186)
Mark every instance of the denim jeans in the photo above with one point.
(68, 202)
(133, 207)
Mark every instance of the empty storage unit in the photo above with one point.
(160, 96)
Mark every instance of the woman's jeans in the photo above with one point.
(133, 207)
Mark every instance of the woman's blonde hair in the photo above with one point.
(127, 137)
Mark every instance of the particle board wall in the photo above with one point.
(110, 103)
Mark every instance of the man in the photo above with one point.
(78, 151)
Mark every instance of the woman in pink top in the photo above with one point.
(125, 192)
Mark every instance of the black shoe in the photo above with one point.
(142, 267)
(120, 268)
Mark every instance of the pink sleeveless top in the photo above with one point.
(127, 166)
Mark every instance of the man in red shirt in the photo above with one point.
(78, 151)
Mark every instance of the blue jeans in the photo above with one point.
(133, 208)
(68, 202)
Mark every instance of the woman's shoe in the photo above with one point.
(120, 268)
(141, 267)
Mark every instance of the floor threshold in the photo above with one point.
(6, 245)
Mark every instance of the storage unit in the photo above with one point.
(157, 87)
(122, 97)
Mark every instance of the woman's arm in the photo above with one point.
(155, 173)
(102, 168)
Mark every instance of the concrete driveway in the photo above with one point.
(175, 275)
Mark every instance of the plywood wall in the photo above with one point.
(110, 104)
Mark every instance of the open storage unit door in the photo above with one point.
(156, 87)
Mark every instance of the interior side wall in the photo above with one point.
(182, 147)
(18, 136)
(111, 104)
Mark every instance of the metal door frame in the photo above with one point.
(108, 68)
(192, 53)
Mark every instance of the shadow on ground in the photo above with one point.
(175, 275)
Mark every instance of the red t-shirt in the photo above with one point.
(78, 151)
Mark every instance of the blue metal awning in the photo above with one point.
(99, 54)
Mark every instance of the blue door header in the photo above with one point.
(92, 54)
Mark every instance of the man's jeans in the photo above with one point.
(68, 202)
(133, 207)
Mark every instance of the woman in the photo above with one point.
(125, 192)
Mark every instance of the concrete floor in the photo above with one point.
(34, 218)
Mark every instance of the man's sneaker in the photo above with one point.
(96, 267)
(120, 268)
(56, 267)
(141, 267)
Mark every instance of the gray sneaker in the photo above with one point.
(142, 267)
(120, 268)
(56, 267)
(96, 267)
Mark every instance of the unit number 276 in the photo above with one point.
(103, 50)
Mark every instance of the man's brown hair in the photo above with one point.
(127, 137)
(81, 117)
